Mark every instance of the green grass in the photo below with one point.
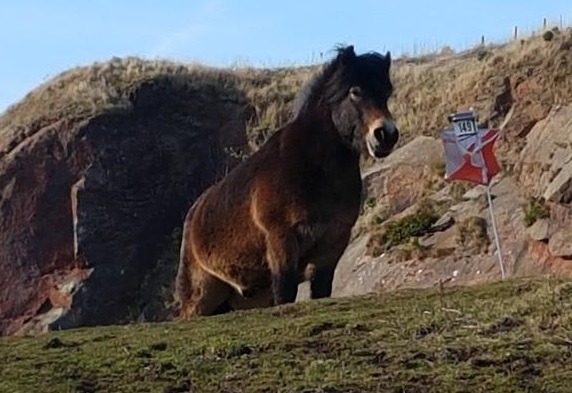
(535, 210)
(402, 231)
(506, 337)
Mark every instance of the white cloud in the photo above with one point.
(170, 43)
(201, 23)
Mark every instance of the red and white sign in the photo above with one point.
(469, 155)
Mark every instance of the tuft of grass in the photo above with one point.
(415, 250)
(439, 169)
(370, 202)
(458, 189)
(401, 231)
(535, 210)
(548, 35)
(472, 234)
(410, 250)
(482, 54)
(501, 337)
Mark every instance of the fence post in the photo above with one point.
(483, 40)
(515, 33)
(544, 24)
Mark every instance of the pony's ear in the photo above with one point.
(388, 59)
(346, 53)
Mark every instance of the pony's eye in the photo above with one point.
(355, 93)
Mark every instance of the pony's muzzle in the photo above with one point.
(382, 138)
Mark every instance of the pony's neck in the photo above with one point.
(322, 140)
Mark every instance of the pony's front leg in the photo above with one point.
(326, 258)
(321, 283)
(283, 254)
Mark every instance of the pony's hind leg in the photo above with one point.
(209, 295)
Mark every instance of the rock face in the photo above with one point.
(540, 230)
(451, 259)
(545, 162)
(560, 243)
(446, 254)
(405, 175)
(86, 206)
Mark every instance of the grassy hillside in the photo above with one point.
(507, 337)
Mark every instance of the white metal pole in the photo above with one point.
(497, 240)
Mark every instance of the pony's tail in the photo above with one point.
(183, 279)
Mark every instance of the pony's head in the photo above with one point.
(356, 90)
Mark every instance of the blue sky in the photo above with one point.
(41, 38)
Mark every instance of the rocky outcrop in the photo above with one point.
(454, 251)
(86, 206)
(446, 256)
(544, 166)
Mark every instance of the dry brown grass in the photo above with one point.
(427, 89)
(84, 92)
(271, 93)
(426, 93)
(105, 87)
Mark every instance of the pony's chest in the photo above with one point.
(337, 191)
(324, 227)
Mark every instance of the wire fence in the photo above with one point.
(516, 33)
(434, 47)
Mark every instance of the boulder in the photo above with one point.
(88, 204)
(560, 243)
(405, 176)
(560, 188)
(540, 230)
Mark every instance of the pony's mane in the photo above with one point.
(312, 89)
(331, 82)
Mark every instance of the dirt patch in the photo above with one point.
(504, 325)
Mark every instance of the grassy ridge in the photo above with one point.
(427, 89)
(506, 337)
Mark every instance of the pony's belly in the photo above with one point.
(242, 265)
(309, 234)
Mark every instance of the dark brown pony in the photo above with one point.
(250, 239)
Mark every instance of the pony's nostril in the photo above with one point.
(379, 133)
(392, 136)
